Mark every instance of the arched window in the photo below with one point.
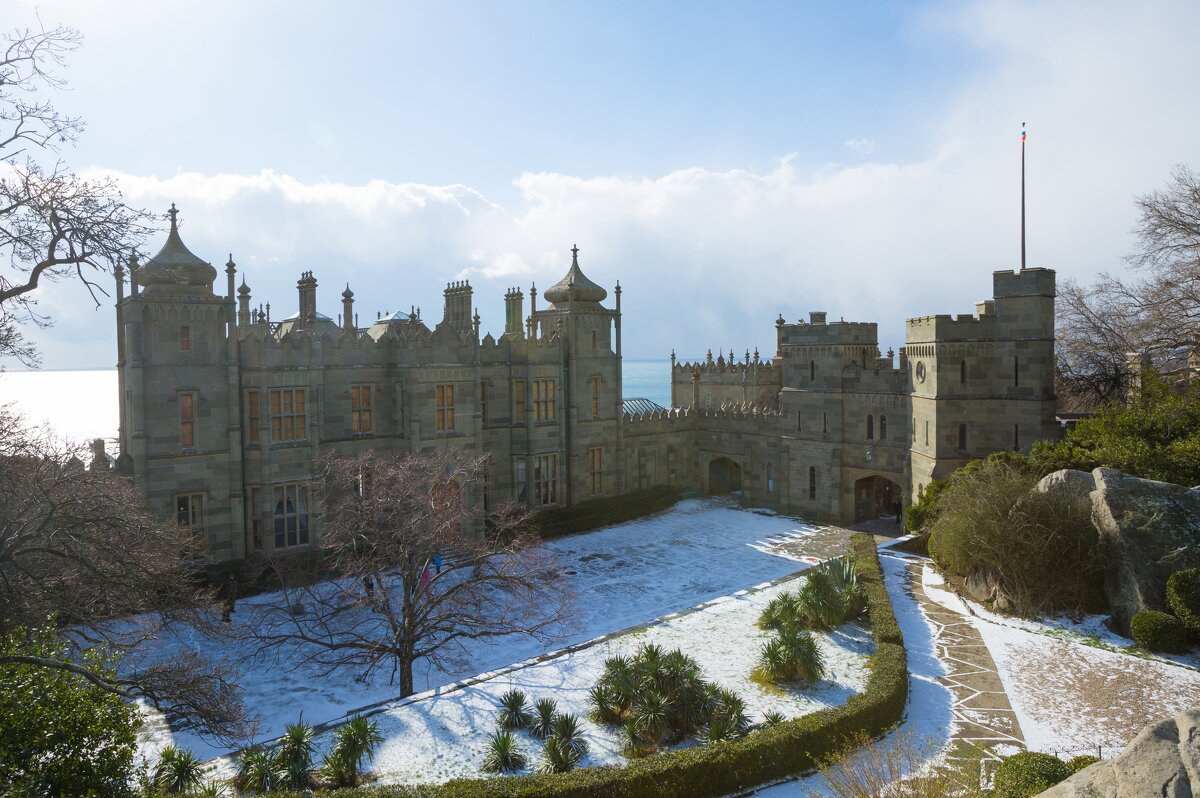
(962, 437)
(812, 370)
(770, 480)
(812, 482)
(883, 428)
(870, 427)
(1016, 371)
(962, 373)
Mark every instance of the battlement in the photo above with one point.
(749, 364)
(1023, 282)
(818, 332)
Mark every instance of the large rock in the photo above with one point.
(1163, 761)
(1150, 529)
(1068, 481)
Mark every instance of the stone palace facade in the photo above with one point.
(224, 411)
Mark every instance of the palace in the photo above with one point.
(224, 411)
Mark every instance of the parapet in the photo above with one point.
(1023, 282)
(822, 333)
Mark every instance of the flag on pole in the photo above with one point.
(1022, 132)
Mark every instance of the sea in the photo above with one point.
(80, 405)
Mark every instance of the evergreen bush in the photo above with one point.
(353, 741)
(503, 755)
(1082, 761)
(514, 711)
(178, 771)
(1183, 597)
(1158, 631)
(1028, 773)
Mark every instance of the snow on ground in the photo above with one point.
(445, 736)
(928, 720)
(623, 575)
(1070, 693)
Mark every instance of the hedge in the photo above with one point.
(595, 513)
(1183, 597)
(1158, 631)
(790, 747)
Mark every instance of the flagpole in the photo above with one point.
(1022, 195)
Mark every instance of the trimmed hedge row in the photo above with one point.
(721, 768)
(595, 513)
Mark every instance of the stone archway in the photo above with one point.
(724, 476)
(877, 497)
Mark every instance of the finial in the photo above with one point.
(230, 266)
(133, 261)
(574, 255)
(244, 289)
(173, 213)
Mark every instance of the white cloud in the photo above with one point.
(861, 145)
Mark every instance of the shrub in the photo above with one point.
(258, 770)
(821, 604)
(1158, 631)
(1183, 597)
(566, 729)
(59, 733)
(514, 710)
(295, 755)
(1027, 774)
(1082, 761)
(352, 742)
(1041, 547)
(559, 756)
(923, 512)
(544, 712)
(791, 657)
(178, 771)
(503, 756)
(771, 718)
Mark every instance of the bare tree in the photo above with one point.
(414, 577)
(53, 224)
(1157, 312)
(80, 549)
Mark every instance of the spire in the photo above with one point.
(575, 286)
(173, 213)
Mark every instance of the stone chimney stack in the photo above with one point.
(514, 311)
(307, 288)
(244, 316)
(458, 305)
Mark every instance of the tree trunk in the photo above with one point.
(406, 675)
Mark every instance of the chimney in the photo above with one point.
(458, 306)
(244, 316)
(348, 308)
(816, 317)
(514, 309)
(307, 288)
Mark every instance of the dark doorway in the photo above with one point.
(724, 476)
(876, 497)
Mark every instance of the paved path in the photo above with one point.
(984, 718)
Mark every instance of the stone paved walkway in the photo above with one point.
(983, 716)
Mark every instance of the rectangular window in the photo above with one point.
(518, 401)
(444, 402)
(360, 408)
(596, 470)
(189, 511)
(544, 403)
(291, 515)
(254, 517)
(252, 417)
(1016, 437)
(187, 419)
(824, 422)
(185, 339)
(288, 414)
(522, 483)
(926, 432)
(545, 479)
(595, 397)
(483, 401)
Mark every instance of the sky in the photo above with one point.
(727, 163)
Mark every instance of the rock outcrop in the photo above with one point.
(1149, 530)
(1163, 761)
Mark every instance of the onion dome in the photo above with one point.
(575, 287)
(347, 294)
(244, 290)
(175, 264)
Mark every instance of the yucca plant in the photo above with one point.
(773, 718)
(605, 708)
(503, 756)
(820, 602)
(258, 770)
(178, 771)
(719, 730)
(544, 712)
(791, 657)
(514, 711)
(730, 709)
(844, 578)
(353, 741)
(558, 756)
(692, 706)
(295, 755)
(781, 612)
(651, 716)
(210, 789)
(634, 745)
(566, 729)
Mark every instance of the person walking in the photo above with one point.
(437, 561)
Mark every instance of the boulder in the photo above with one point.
(1069, 481)
(1163, 761)
(1150, 530)
(981, 585)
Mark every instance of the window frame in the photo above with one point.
(288, 413)
(545, 479)
(545, 399)
(519, 401)
(444, 405)
(294, 499)
(362, 417)
(253, 417)
(187, 419)
(596, 470)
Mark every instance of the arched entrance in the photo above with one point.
(876, 497)
(724, 476)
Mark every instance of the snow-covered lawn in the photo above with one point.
(443, 736)
(1073, 685)
(623, 576)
